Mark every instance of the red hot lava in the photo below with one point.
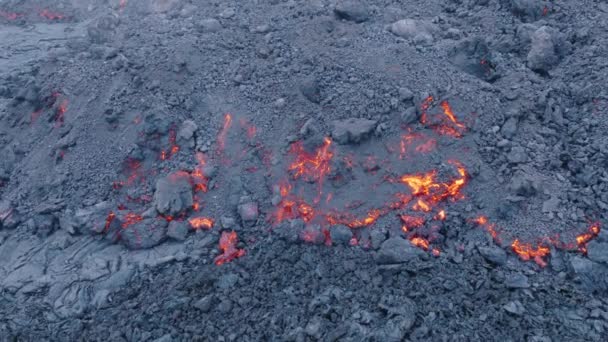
(228, 248)
(311, 166)
(201, 223)
(221, 138)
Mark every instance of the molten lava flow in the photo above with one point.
(436, 252)
(431, 192)
(173, 146)
(60, 113)
(418, 141)
(228, 248)
(527, 252)
(10, 15)
(109, 219)
(440, 216)
(411, 222)
(349, 220)
(311, 166)
(131, 219)
(426, 104)
(201, 223)
(221, 138)
(198, 180)
(583, 239)
(249, 129)
(45, 13)
(420, 242)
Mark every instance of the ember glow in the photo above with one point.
(228, 248)
(583, 239)
(420, 243)
(527, 251)
(311, 166)
(131, 219)
(10, 15)
(46, 13)
(201, 223)
(221, 138)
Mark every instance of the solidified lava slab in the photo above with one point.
(175, 169)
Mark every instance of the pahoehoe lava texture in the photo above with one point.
(336, 170)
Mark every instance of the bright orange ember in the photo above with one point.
(201, 223)
(527, 251)
(312, 166)
(420, 242)
(227, 246)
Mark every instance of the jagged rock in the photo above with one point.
(509, 128)
(515, 307)
(543, 52)
(494, 254)
(145, 234)
(311, 90)
(528, 10)
(204, 304)
(9, 217)
(397, 250)
(340, 235)
(416, 30)
(209, 25)
(249, 213)
(313, 234)
(352, 10)
(353, 130)
(517, 281)
(173, 194)
(523, 185)
(517, 155)
(186, 132)
(178, 230)
(598, 251)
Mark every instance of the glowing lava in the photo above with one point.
(228, 248)
(221, 138)
(201, 223)
(527, 251)
(311, 166)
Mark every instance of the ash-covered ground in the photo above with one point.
(335, 170)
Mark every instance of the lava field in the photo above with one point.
(287, 170)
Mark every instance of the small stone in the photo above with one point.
(397, 250)
(340, 235)
(178, 230)
(405, 94)
(542, 56)
(249, 213)
(313, 234)
(598, 251)
(145, 234)
(227, 13)
(517, 155)
(377, 237)
(204, 304)
(517, 281)
(581, 266)
(227, 222)
(186, 131)
(352, 10)
(209, 25)
(523, 185)
(353, 130)
(515, 308)
(173, 194)
(509, 128)
(410, 28)
(410, 115)
(494, 255)
(311, 90)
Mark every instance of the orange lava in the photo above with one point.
(350, 221)
(198, 179)
(201, 223)
(426, 104)
(173, 146)
(45, 13)
(527, 251)
(311, 166)
(432, 192)
(440, 216)
(131, 219)
(418, 141)
(410, 222)
(221, 138)
(228, 248)
(583, 239)
(60, 114)
(109, 219)
(10, 15)
(420, 242)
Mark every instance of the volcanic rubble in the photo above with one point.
(303, 170)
